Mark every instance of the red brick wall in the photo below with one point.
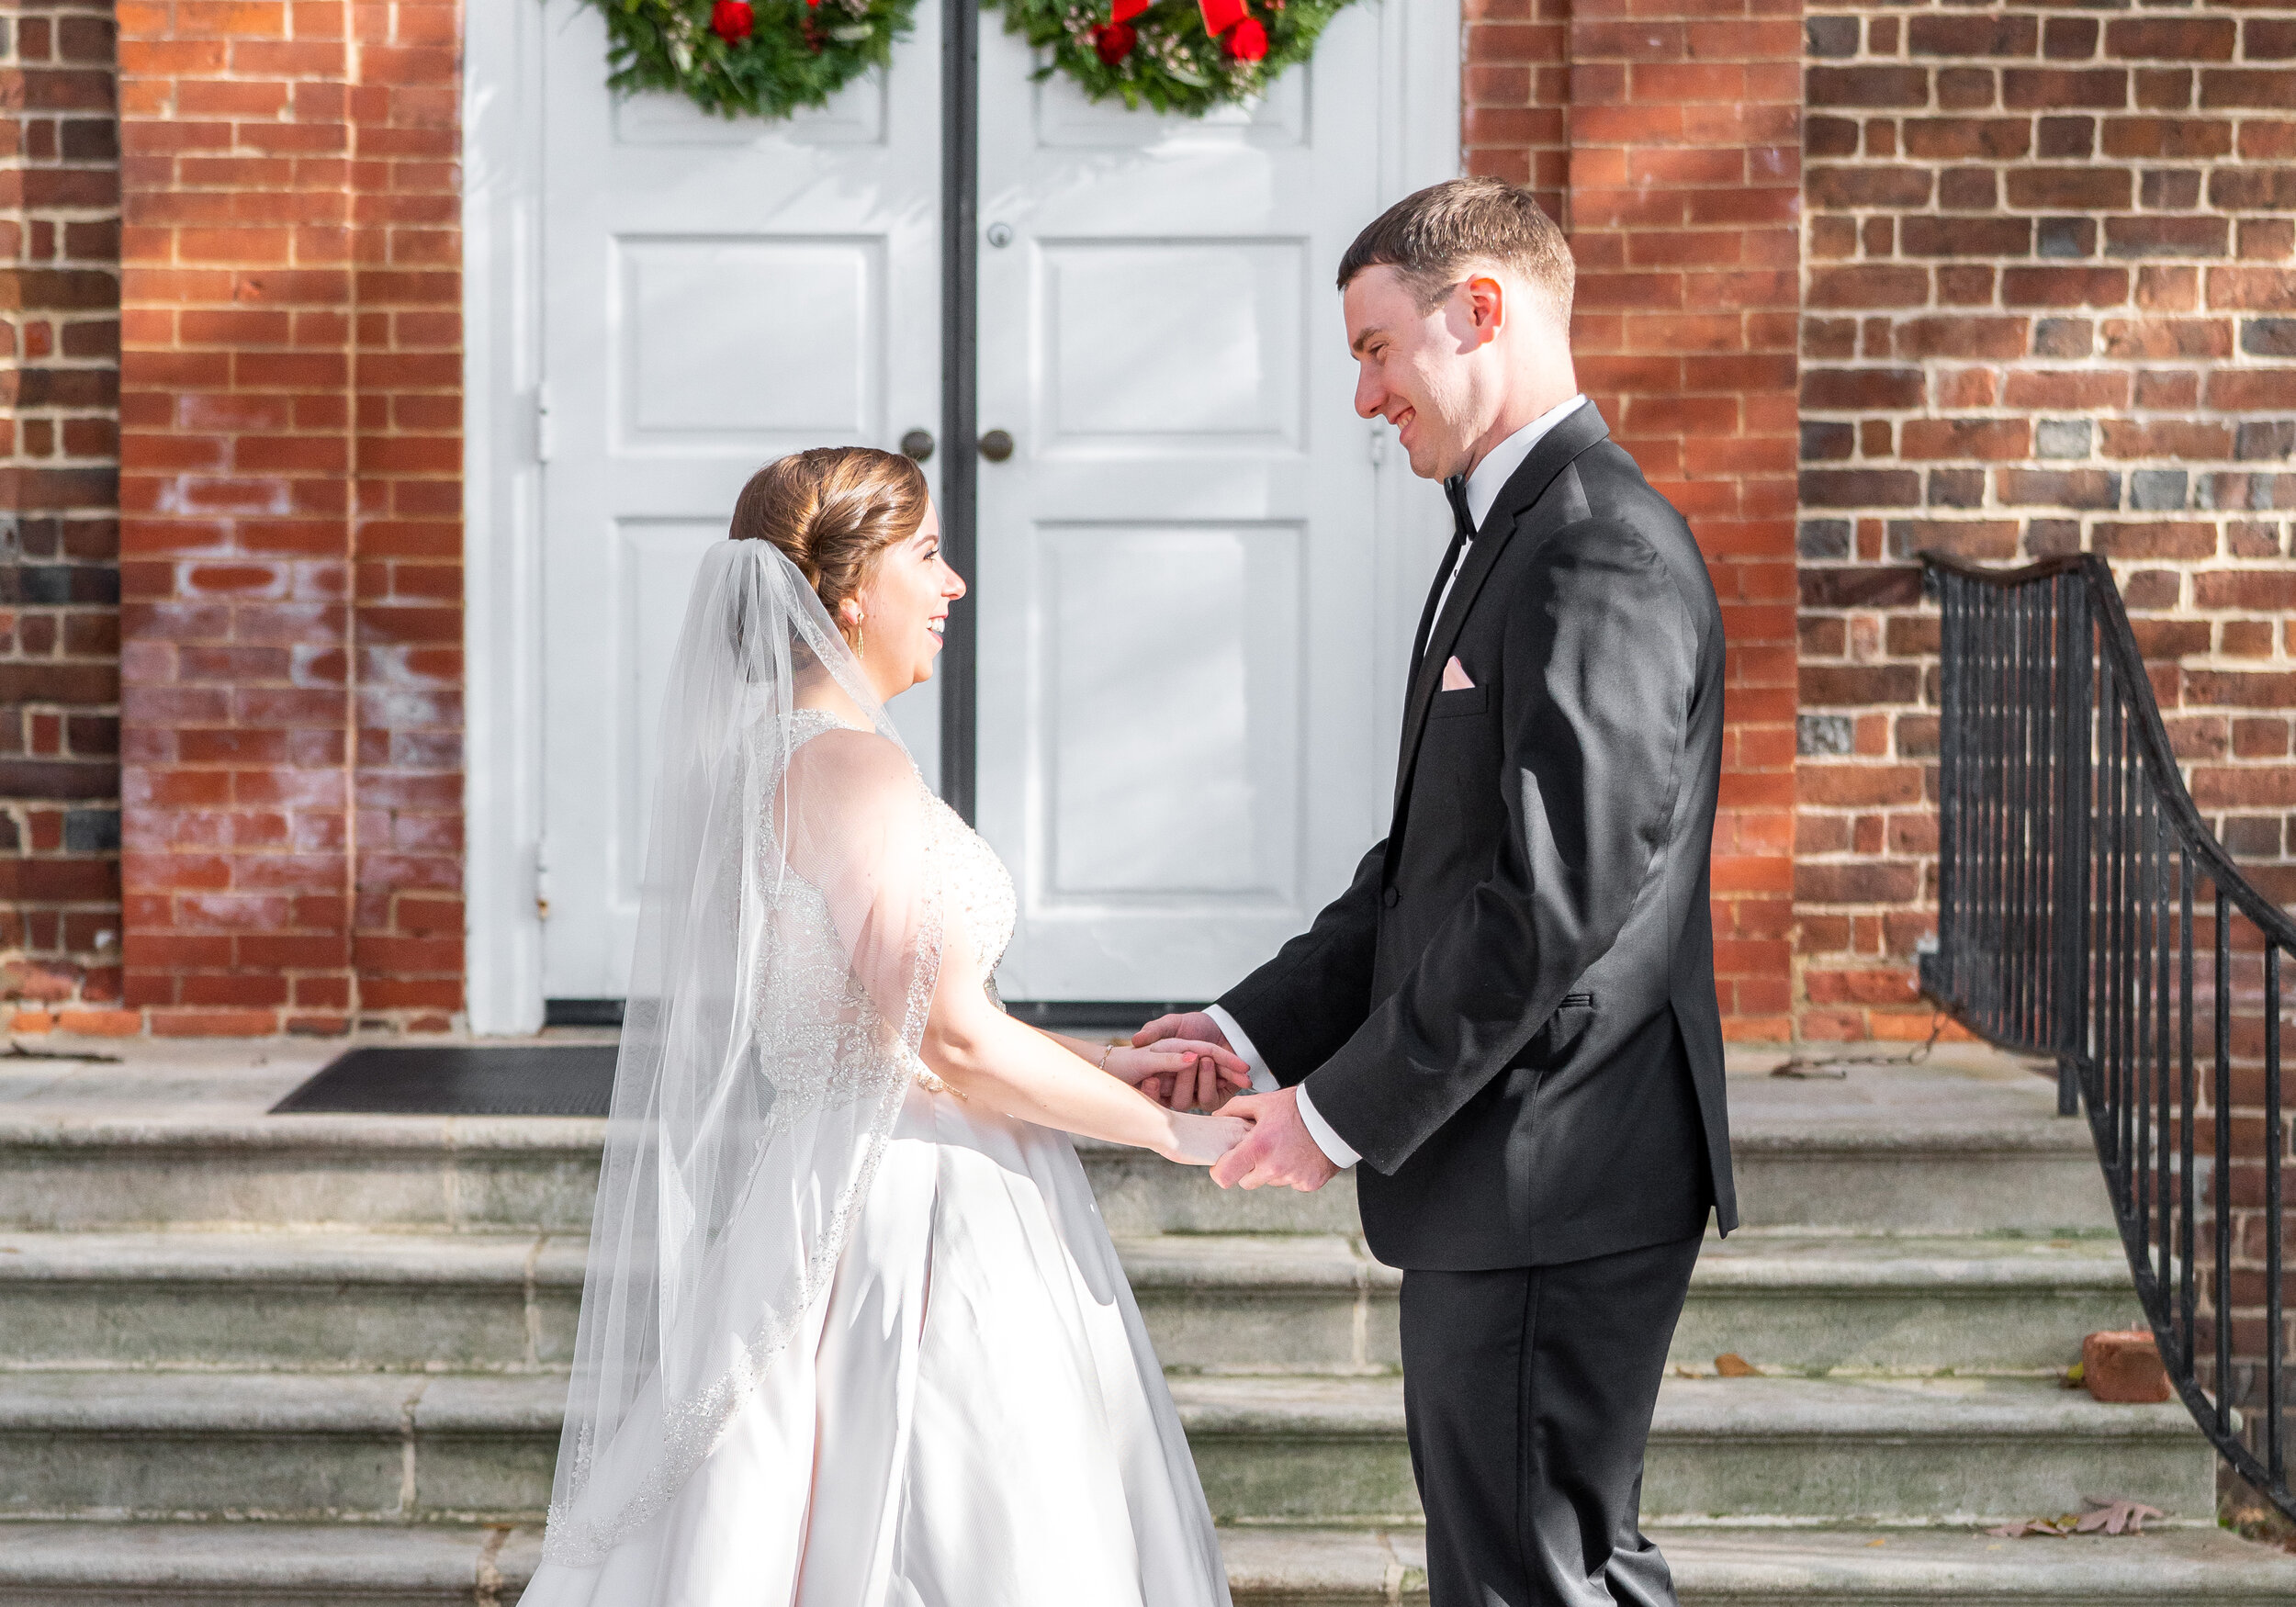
(1671, 130)
(59, 530)
(1515, 95)
(291, 500)
(2049, 306)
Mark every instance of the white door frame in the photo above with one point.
(502, 115)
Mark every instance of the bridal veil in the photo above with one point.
(788, 944)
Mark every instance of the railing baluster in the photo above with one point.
(2126, 962)
(2275, 1337)
(2019, 705)
(2164, 1206)
(1952, 653)
(2079, 735)
(2140, 1044)
(2222, 1172)
(1989, 808)
(2187, 1299)
(2117, 1097)
(2108, 910)
(2034, 845)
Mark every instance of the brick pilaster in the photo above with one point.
(1683, 207)
(58, 529)
(291, 501)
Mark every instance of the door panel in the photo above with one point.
(715, 294)
(1214, 607)
(1177, 568)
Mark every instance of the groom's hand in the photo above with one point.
(1279, 1151)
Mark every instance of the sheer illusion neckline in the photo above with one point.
(823, 720)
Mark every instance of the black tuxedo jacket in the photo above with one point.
(1510, 1012)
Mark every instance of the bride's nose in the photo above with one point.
(953, 586)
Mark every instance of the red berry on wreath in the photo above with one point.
(731, 20)
(1247, 40)
(1115, 41)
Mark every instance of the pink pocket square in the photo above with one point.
(1455, 677)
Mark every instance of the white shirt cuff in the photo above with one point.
(1335, 1149)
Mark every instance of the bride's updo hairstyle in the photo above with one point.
(833, 511)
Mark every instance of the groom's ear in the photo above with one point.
(1487, 304)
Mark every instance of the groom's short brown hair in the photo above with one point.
(1432, 237)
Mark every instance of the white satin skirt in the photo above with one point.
(975, 1417)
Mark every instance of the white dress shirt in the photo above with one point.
(1483, 486)
(1491, 475)
(1263, 1081)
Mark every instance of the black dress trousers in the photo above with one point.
(1529, 1392)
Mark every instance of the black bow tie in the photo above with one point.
(1462, 531)
(1462, 521)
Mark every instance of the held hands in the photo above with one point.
(1195, 1089)
(1270, 1146)
(1179, 1072)
(1182, 1072)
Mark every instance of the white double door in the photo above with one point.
(1186, 595)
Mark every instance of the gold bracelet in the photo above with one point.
(1112, 1048)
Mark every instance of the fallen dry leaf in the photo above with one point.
(1731, 1365)
(2106, 1515)
(2116, 1515)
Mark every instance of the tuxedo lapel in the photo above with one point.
(1554, 454)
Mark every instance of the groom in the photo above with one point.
(1509, 1016)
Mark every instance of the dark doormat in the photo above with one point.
(571, 1079)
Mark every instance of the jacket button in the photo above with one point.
(1390, 898)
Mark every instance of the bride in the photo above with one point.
(853, 1333)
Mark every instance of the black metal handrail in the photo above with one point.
(2072, 868)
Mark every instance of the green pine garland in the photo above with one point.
(1173, 64)
(794, 54)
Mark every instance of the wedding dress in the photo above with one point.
(878, 1351)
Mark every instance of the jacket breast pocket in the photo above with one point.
(1467, 700)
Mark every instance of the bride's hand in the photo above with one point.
(1182, 1072)
(1198, 1140)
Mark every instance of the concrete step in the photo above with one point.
(1296, 1450)
(298, 1300)
(287, 1564)
(1270, 1449)
(49, 1564)
(94, 1171)
(282, 1445)
(1930, 1157)
(1815, 1304)
(1903, 1303)
(319, 1299)
(1265, 1302)
(1810, 1567)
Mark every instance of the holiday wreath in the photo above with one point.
(1175, 55)
(763, 58)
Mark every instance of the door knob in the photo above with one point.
(917, 446)
(996, 446)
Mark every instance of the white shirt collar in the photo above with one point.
(1490, 475)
